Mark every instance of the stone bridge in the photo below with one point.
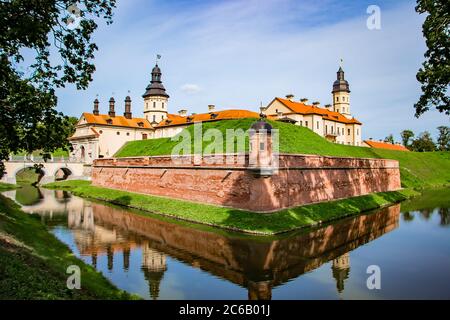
(53, 169)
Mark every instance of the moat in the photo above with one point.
(158, 258)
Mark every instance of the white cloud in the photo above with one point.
(190, 88)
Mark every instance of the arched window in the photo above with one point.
(154, 118)
(154, 104)
(337, 99)
(163, 105)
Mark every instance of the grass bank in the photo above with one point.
(7, 186)
(418, 169)
(238, 220)
(33, 262)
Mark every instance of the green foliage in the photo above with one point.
(406, 135)
(7, 186)
(423, 143)
(435, 72)
(239, 220)
(28, 119)
(33, 262)
(444, 138)
(389, 139)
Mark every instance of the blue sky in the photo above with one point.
(237, 54)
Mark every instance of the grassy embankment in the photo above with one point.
(33, 262)
(238, 220)
(418, 170)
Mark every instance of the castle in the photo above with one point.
(102, 135)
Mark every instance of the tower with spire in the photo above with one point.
(341, 94)
(155, 98)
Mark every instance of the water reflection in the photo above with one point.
(132, 248)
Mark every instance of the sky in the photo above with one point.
(243, 53)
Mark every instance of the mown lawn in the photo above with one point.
(418, 170)
(33, 262)
(238, 220)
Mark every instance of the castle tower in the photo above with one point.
(341, 270)
(155, 98)
(261, 153)
(153, 266)
(341, 94)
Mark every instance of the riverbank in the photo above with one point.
(238, 220)
(33, 262)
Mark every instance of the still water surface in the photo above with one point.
(158, 258)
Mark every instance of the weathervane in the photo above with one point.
(158, 57)
(341, 63)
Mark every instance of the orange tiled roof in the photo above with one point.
(118, 121)
(176, 120)
(385, 145)
(298, 107)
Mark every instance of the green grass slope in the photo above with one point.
(425, 169)
(33, 262)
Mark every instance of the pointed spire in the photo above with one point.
(156, 88)
(340, 84)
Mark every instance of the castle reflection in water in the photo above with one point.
(257, 264)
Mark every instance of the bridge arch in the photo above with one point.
(62, 173)
(42, 172)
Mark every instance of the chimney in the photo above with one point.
(127, 114)
(316, 103)
(304, 100)
(96, 112)
(211, 107)
(290, 97)
(111, 112)
(182, 112)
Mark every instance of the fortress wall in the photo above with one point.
(300, 179)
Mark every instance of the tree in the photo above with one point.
(444, 138)
(28, 119)
(406, 135)
(423, 143)
(434, 75)
(389, 139)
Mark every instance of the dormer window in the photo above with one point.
(213, 115)
(109, 121)
(189, 119)
(168, 121)
(140, 124)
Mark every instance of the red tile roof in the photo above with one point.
(118, 121)
(385, 145)
(176, 120)
(298, 107)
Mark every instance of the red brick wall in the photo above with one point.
(301, 179)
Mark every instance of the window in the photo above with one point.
(317, 124)
(154, 118)
(301, 123)
(154, 104)
(163, 105)
(118, 133)
(357, 132)
(276, 111)
(337, 110)
(326, 129)
(348, 131)
(332, 129)
(101, 131)
(337, 99)
(128, 133)
(306, 123)
(162, 118)
(144, 136)
(261, 146)
(339, 131)
(146, 105)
